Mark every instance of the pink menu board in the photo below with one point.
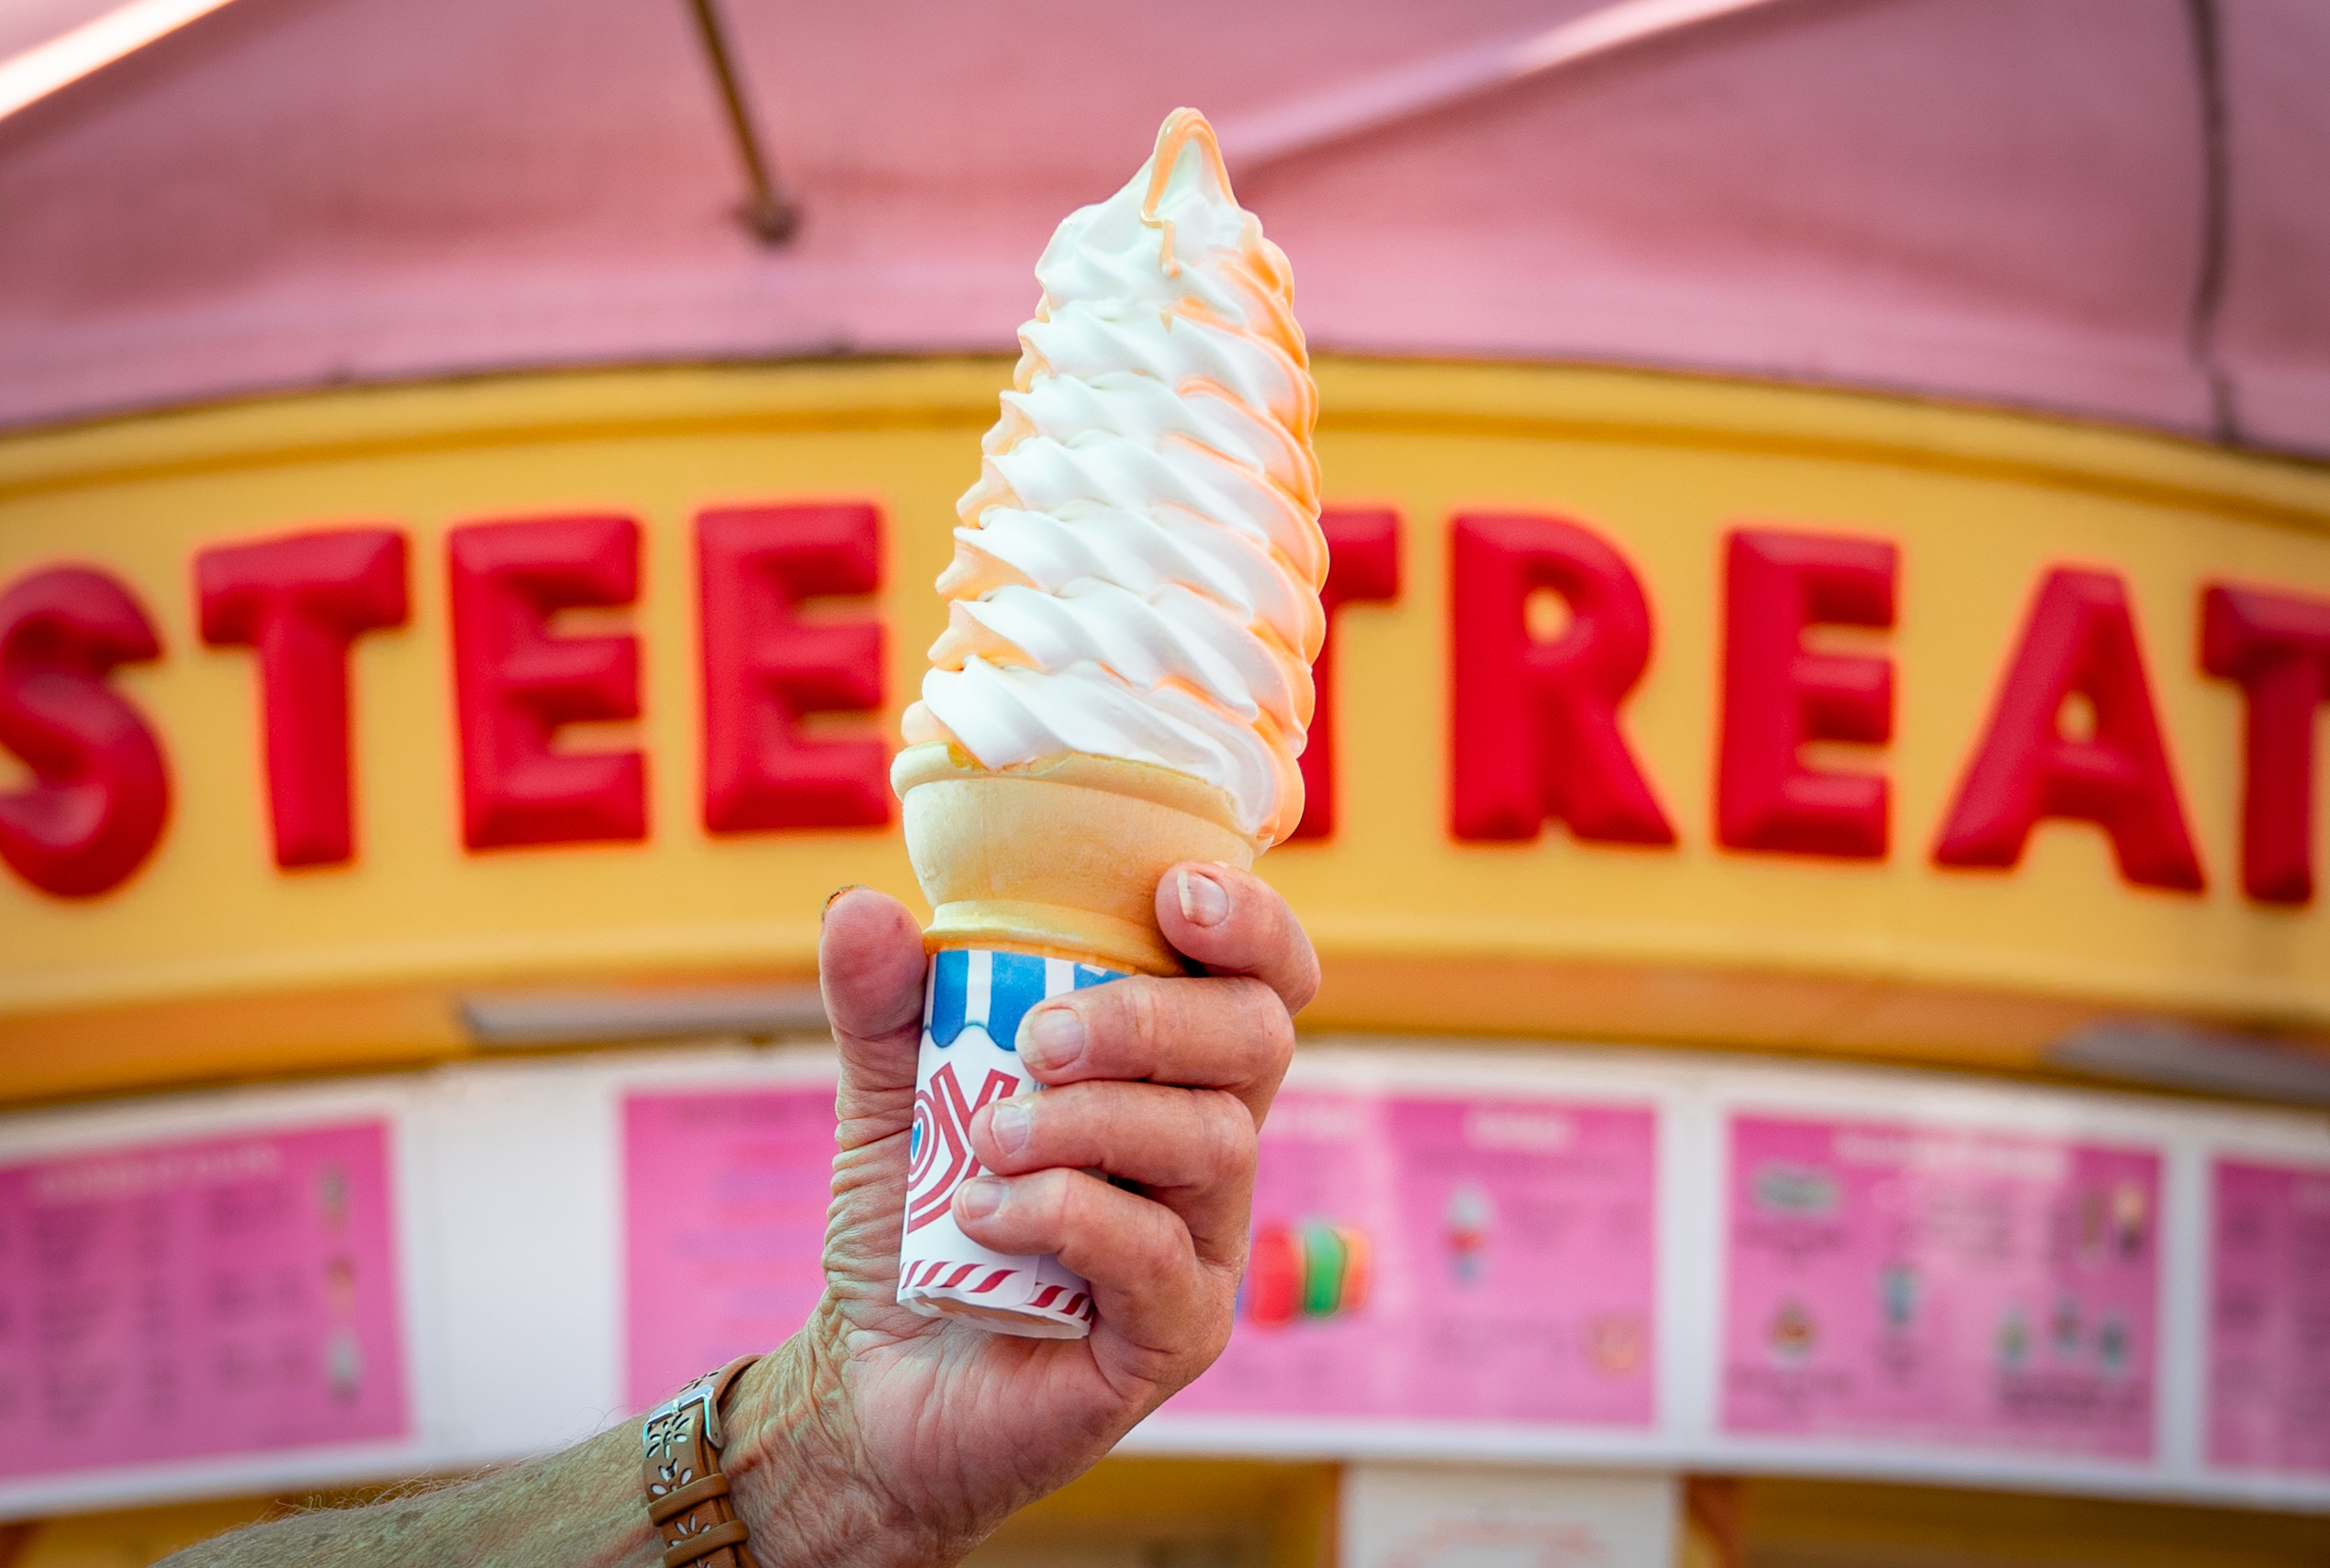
(173, 1301)
(2270, 1318)
(724, 1226)
(1971, 1289)
(1487, 1259)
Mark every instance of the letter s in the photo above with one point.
(101, 790)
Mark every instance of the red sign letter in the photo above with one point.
(1777, 695)
(2079, 641)
(300, 601)
(1536, 730)
(1363, 567)
(764, 668)
(516, 684)
(2277, 646)
(100, 791)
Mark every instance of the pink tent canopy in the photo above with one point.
(2106, 208)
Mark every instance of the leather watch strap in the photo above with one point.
(686, 1494)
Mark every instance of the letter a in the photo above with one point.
(2079, 641)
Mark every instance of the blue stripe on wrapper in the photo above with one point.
(949, 990)
(1017, 985)
(1014, 983)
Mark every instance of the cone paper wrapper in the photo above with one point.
(973, 1000)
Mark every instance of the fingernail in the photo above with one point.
(828, 908)
(1009, 1123)
(1050, 1039)
(1204, 902)
(980, 1197)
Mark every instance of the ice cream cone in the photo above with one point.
(1059, 858)
(1041, 876)
(1124, 682)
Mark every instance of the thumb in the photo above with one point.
(869, 964)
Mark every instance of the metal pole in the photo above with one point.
(768, 211)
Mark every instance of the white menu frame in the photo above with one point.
(510, 1239)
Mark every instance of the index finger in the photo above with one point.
(1229, 1032)
(1235, 923)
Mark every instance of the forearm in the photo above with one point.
(798, 1486)
(581, 1508)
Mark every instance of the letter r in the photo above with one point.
(1536, 723)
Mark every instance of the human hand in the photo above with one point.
(880, 1436)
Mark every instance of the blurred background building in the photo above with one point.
(1825, 1049)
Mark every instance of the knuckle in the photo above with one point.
(1304, 988)
(1164, 1243)
(1039, 1206)
(1185, 1139)
(1229, 1135)
(1276, 1042)
(1143, 1020)
(1056, 1125)
(1073, 1197)
(1102, 1130)
(1217, 1338)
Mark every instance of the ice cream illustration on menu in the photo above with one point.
(1124, 682)
(1470, 1214)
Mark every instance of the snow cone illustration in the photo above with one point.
(1125, 681)
(1315, 1270)
(1465, 1226)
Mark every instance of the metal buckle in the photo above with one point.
(710, 1426)
(696, 1392)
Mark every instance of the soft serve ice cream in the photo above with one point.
(1138, 572)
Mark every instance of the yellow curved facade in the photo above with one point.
(210, 962)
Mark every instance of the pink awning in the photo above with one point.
(1978, 199)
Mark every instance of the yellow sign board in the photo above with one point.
(209, 958)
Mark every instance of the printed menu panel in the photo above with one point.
(724, 1226)
(1477, 1258)
(2270, 1318)
(1942, 1286)
(174, 1301)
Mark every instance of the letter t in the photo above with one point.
(300, 600)
(2277, 646)
(1362, 568)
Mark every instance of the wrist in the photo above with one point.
(798, 1470)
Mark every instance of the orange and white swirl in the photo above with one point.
(1137, 570)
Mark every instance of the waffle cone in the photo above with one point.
(1061, 858)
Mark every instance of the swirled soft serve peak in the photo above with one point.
(1137, 574)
